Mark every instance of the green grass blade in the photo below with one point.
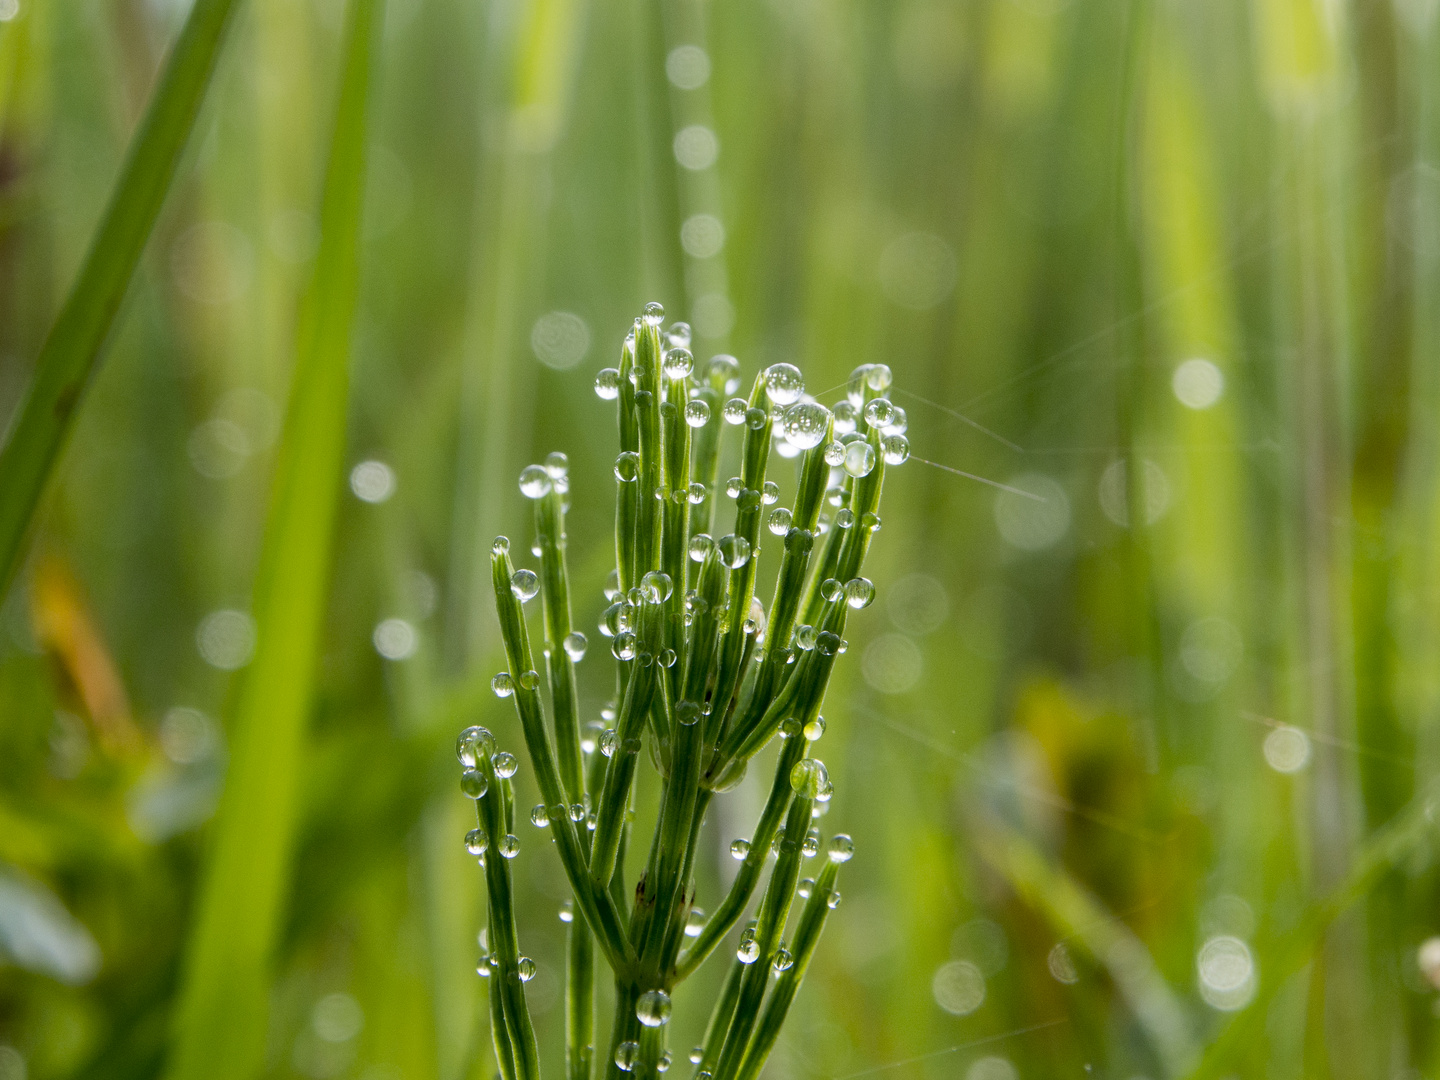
(222, 1013)
(71, 352)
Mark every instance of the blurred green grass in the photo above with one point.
(1163, 729)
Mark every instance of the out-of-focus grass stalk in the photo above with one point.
(1301, 65)
(509, 222)
(71, 353)
(222, 1016)
(1077, 916)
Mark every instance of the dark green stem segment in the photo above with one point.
(774, 911)
(807, 936)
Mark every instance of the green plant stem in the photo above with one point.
(769, 928)
(807, 936)
(71, 354)
(743, 887)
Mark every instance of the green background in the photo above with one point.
(1185, 728)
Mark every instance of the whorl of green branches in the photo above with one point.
(706, 677)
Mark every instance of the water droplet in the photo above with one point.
(612, 584)
(663, 1065)
(859, 458)
(654, 313)
(724, 373)
(525, 968)
(859, 592)
(734, 551)
(697, 1055)
(627, 467)
(627, 1054)
(878, 377)
(833, 900)
(734, 411)
(748, 951)
(476, 841)
(574, 645)
(623, 647)
(607, 384)
(567, 912)
(896, 449)
(805, 637)
(500, 545)
(784, 384)
(769, 493)
(693, 925)
(653, 1008)
(879, 413)
(697, 413)
(667, 658)
(805, 424)
(474, 783)
(842, 848)
(807, 778)
(656, 586)
(700, 545)
(687, 713)
(755, 418)
(524, 584)
(855, 386)
(502, 686)
(472, 743)
(510, 846)
(739, 849)
(845, 417)
(505, 764)
(783, 960)
(529, 680)
(538, 817)
(482, 967)
(608, 739)
(734, 486)
(805, 888)
(678, 335)
(831, 589)
(814, 729)
(779, 521)
(535, 482)
(678, 363)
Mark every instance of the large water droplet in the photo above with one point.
(859, 458)
(806, 423)
(623, 647)
(574, 646)
(654, 313)
(524, 584)
(734, 551)
(626, 1055)
(525, 968)
(678, 335)
(859, 592)
(769, 493)
(695, 923)
(724, 373)
(855, 387)
(783, 960)
(879, 413)
(845, 416)
(538, 816)
(657, 586)
(896, 449)
(878, 377)
(842, 848)
(474, 783)
(607, 742)
(627, 467)
(502, 686)
(748, 950)
(476, 841)
(780, 520)
(739, 849)
(653, 1008)
(700, 545)
(505, 764)
(678, 363)
(510, 846)
(607, 384)
(808, 777)
(697, 413)
(784, 384)
(734, 411)
(535, 482)
(473, 743)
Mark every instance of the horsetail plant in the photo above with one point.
(705, 678)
